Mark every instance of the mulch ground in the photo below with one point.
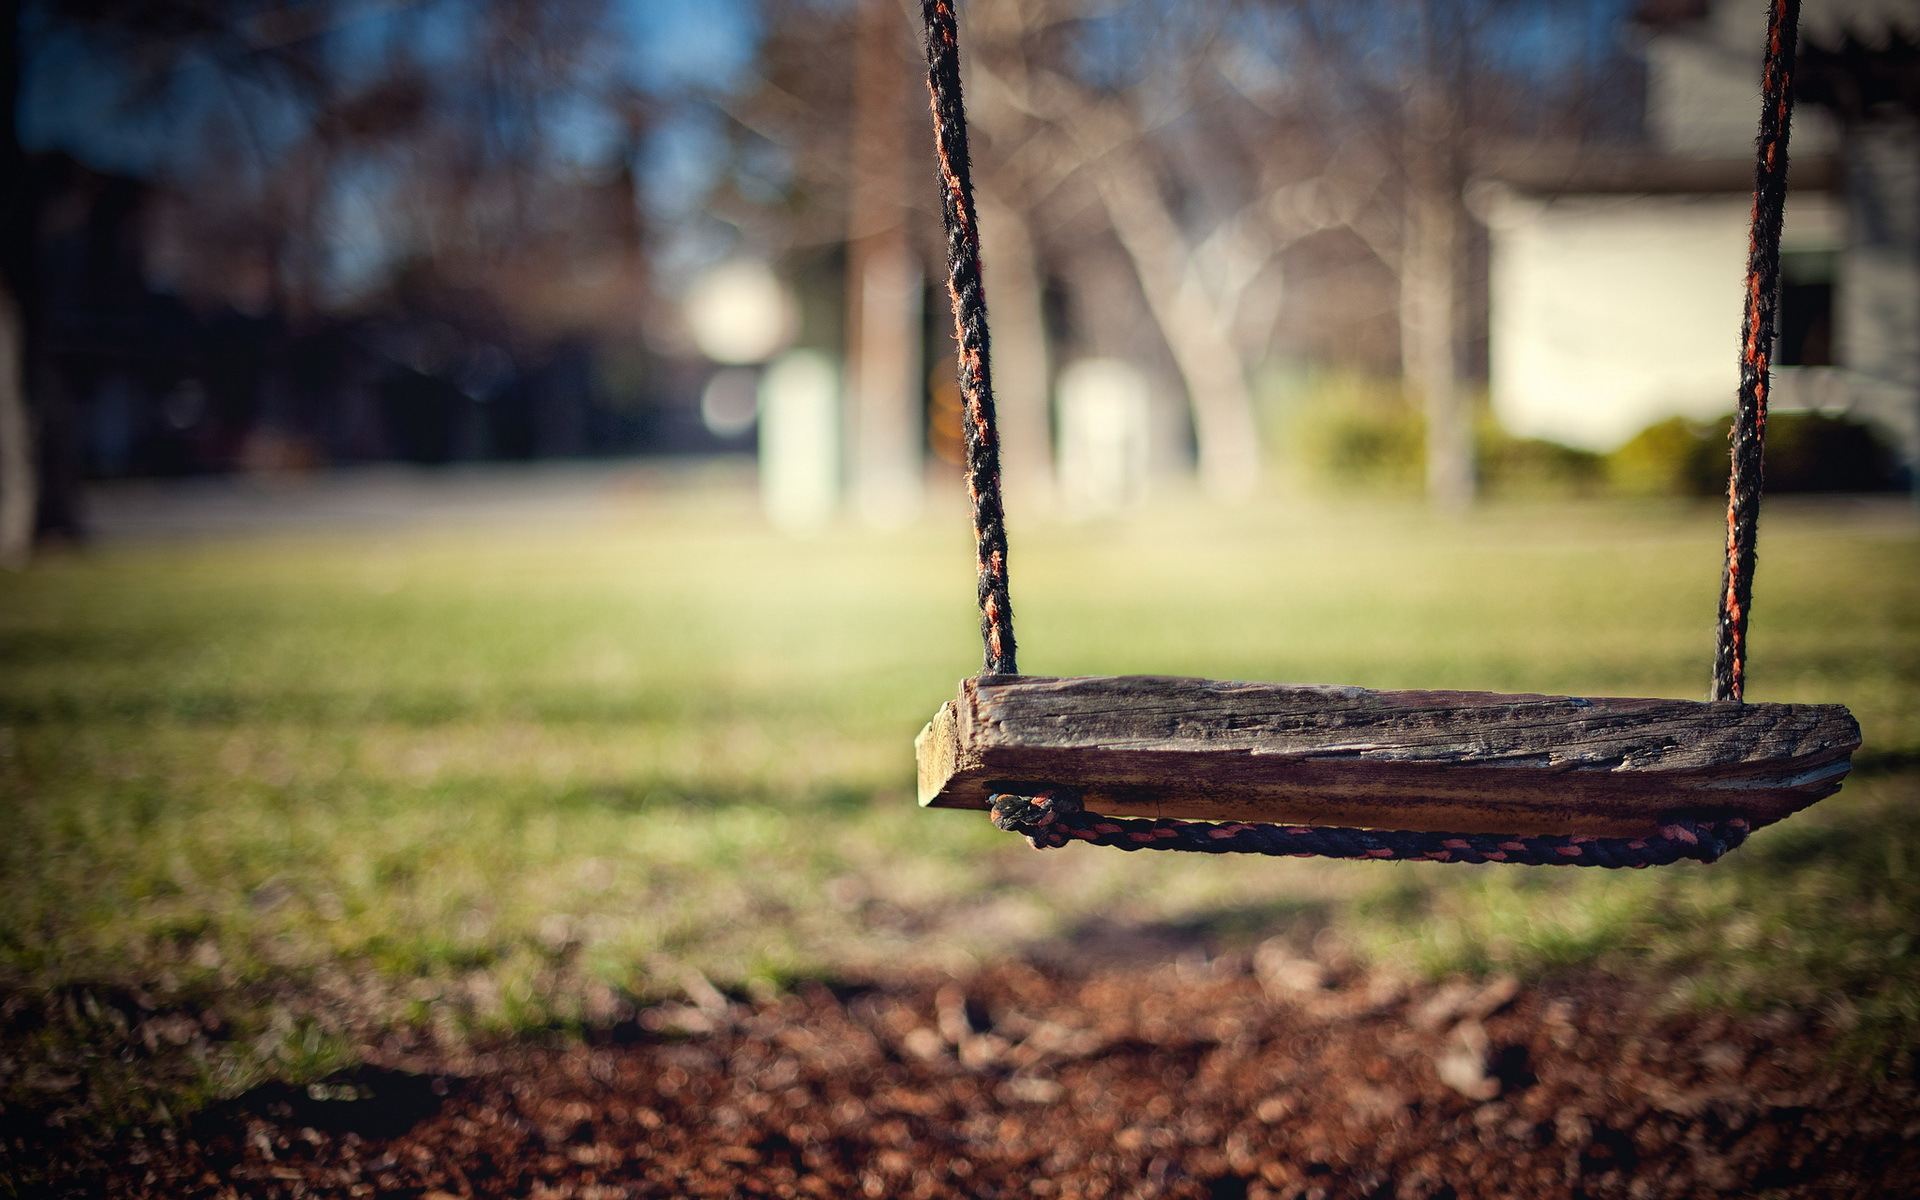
(1268, 1075)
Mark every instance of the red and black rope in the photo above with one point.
(1748, 437)
(969, 296)
(1052, 817)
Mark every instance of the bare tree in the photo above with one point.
(17, 476)
(884, 278)
(1022, 350)
(1425, 89)
(19, 483)
(1206, 189)
(1047, 124)
(1366, 130)
(1432, 256)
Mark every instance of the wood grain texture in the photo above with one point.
(1467, 762)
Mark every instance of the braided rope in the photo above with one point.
(1053, 817)
(969, 298)
(1748, 437)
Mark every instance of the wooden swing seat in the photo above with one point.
(1455, 762)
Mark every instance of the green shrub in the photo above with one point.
(1674, 457)
(1351, 430)
(1511, 466)
(1826, 452)
(1806, 452)
(1345, 429)
(1368, 448)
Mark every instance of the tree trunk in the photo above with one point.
(884, 384)
(1022, 373)
(19, 481)
(1430, 275)
(19, 486)
(1430, 342)
(1193, 326)
(885, 387)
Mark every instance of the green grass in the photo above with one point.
(327, 787)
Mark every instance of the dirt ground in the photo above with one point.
(1251, 1075)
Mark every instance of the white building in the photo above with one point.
(1615, 278)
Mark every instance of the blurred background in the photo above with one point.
(1475, 247)
(486, 477)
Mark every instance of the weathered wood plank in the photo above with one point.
(1469, 762)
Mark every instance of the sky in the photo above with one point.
(77, 95)
(80, 96)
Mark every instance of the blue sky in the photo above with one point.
(78, 97)
(82, 95)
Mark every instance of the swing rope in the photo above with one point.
(969, 296)
(1756, 350)
(1053, 817)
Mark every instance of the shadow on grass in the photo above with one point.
(1869, 763)
(370, 1101)
(656, 795)
(1854, 847)
(424, 708)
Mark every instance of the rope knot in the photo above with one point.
(1043, 817)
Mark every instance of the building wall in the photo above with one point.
(1611, 313)
(1703, 90)
(1878, 301)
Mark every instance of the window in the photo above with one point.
(1804, 328)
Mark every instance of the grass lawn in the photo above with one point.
(310, 790)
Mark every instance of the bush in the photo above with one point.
(1806, 452)
(1511, 466)
(1826, 452)
(1346, 429)
(1351, 430)
(1675, 457)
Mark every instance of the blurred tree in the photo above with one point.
(884, 278)
(457, 181)
(1061, 110)
(818, 156)
(1434, 246)
(1222, 143)
(19, 483)
(1273, 175)
(1426, 89)
(474, 193)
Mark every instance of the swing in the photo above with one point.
(1346, 772)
